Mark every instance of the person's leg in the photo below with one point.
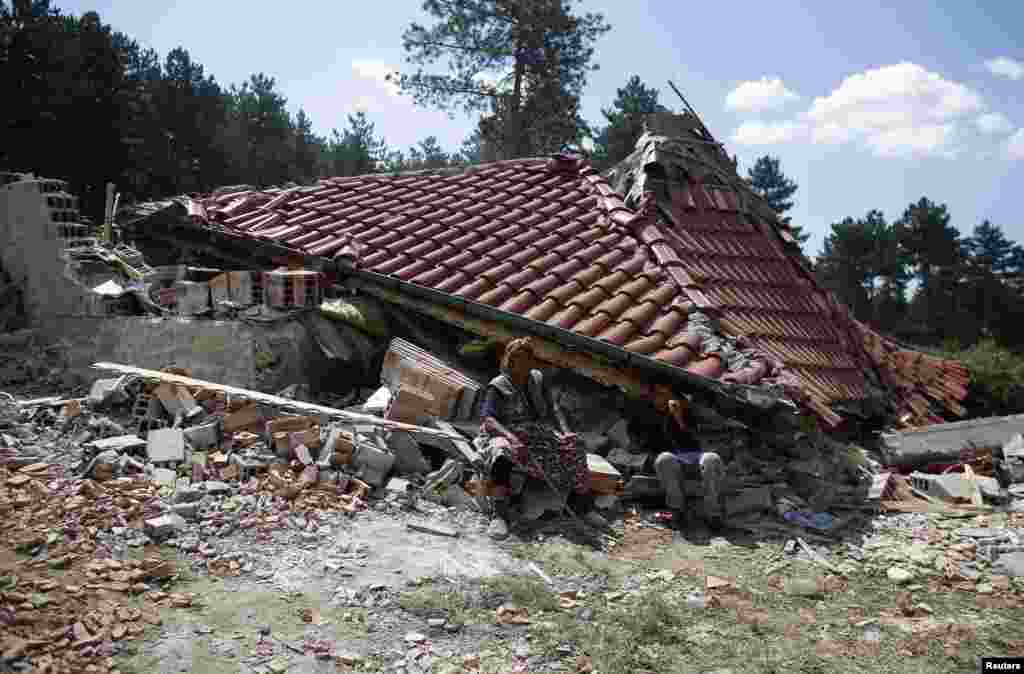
(500, 474)
(669, 470)
(712, 475)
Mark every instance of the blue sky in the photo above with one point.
(868, 104)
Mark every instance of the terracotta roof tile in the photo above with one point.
(544, 310)
(677, 355)
(519, 304)
(453, 282)
(710, 366)
(619, 333)
(590, 326)
(431, 276)
(646, 345)
(552, 241)
(563, 293)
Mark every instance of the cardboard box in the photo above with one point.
(412, 405)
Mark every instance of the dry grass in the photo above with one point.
(755, 625)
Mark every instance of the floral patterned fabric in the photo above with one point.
(542, 452)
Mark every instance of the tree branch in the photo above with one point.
(431, 43)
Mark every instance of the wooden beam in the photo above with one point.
(274, 401)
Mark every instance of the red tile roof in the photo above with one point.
(679, 277)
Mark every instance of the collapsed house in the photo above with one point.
(667, 274)
(669, 270)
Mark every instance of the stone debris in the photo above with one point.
(199, 464)
(165, 445)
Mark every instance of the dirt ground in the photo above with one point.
(660, 601)
(364, 593)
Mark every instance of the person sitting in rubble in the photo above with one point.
(685, 461)
(520, 434)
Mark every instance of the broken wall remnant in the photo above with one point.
(950, 442)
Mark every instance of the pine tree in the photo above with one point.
(935, 250)
(521, 63)
(768, 180)
(625, 120)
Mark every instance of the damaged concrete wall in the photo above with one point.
(219, 351)
(249, 355)
(31, 247)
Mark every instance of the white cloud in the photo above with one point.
(1015, 146)
(757, 95)
(927, 139)
(993, 123)
(900, 109)
(1004, 66)
(377, 72)
(757, 132)
(895, 110)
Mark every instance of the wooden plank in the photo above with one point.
(272, 400)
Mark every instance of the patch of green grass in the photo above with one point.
(525, 591)
(232, 614)
(761, 628)
(264, 360)
(438, 595)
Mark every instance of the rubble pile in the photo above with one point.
(89, 485)
(982, 554)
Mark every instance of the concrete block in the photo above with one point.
(188, 510)
(397, 485)
(164, 476)
(953, 486)
(205, 436)
(166, 444)
(164, 526)
(373, 464)
(1009, 564)
(409, 457)
(193, 297)
(215, 488)
(119, 443)
(1014, 447)
(187, 494)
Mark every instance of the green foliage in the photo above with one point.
(521, 63)
(997, 379)
(357, 150)
(625, 121)
(768, 180)
(989, 284)
(861, 262)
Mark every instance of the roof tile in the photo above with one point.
(547, 240)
